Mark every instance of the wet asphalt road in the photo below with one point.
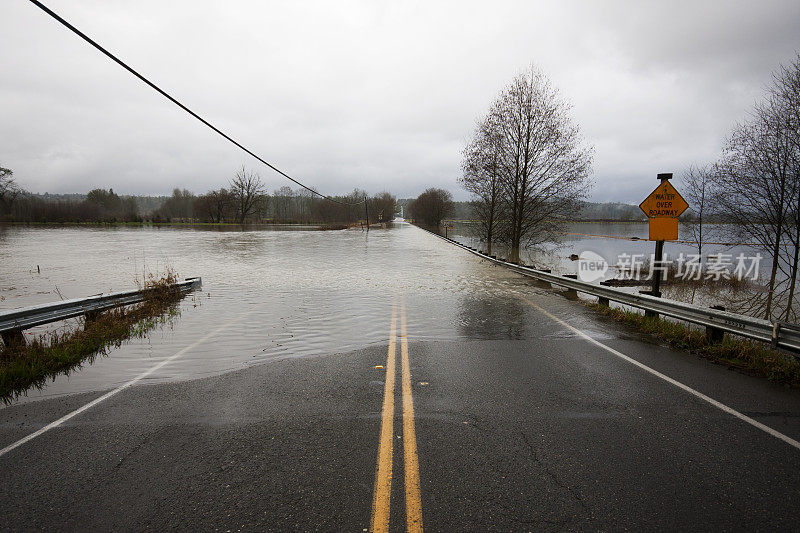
(535, 430)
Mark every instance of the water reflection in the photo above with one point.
(492, 317)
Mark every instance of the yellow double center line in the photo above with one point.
(381, 501)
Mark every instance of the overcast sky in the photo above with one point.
(375, 95)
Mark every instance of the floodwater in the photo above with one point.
(270, 293)
(611, 240)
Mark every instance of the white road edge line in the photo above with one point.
(122, 387)
(721, 406)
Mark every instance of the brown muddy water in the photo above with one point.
(294, 293)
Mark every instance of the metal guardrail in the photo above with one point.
(14, 321)
(779, 334)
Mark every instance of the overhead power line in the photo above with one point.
(166, 95)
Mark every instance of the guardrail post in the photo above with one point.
(715, 335)
(13, 337)
(571, 294)
(541, 283)
(776, 333)
(90, 317)
(648, 313)
(603, 301)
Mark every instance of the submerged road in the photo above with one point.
(548, 417)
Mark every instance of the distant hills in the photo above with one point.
(609, 211)
(588, 211)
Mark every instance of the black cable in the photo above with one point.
(163, 93)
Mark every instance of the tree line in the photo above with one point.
(244, 201)
(99, 205)
(755, 186)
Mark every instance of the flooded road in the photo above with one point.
(303, 292)
(410, 371)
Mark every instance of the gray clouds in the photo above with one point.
(367, 94)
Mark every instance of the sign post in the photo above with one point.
(663, 207)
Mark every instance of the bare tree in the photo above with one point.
(753, 194)
(544, 166)
(759, 186)
(784, 110)
(698, 189)
(8, 188)
(246, 187)
(481, 177)
(215, 206)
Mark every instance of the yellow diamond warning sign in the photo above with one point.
(664, 202)
(663, 229)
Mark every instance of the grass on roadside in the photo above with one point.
(751, 357)
(46, 356)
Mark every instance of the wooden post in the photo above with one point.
(656, 290)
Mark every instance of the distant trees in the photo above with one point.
(432, 206)
(179, 206)
(8, 189)
(111, 207)
(304, 200)
(244, 202)
(99, 205)
(381, 207)
(607, 211)
(349, 210)
(282, 200)
(105, 199)
(215, 206)
(530, 142)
